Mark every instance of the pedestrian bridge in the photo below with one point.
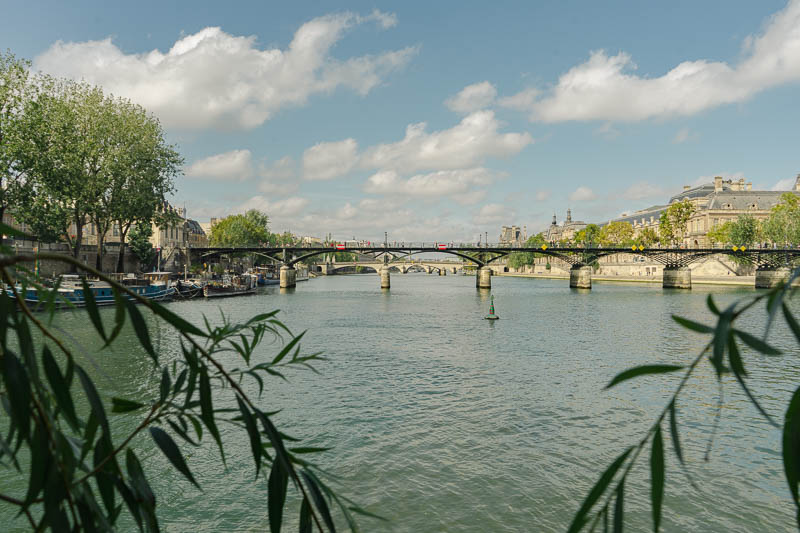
(403, 267)
(772, 264)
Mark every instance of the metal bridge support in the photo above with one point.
(483, 278)
(580, 277)
(385, 280)
(288, 277)
(442, 272)
(677, 278)
(768, 277)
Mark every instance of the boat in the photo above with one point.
(491, 315)
(187, 289)
(70, 292)
(265, 276)
(231, 286)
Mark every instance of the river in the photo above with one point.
(443, 421)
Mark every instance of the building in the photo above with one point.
(564, 232)
(513, 235)
(715, 203)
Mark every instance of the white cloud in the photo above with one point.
(278, 178)
(785, 185)
(493, 214)
(582, 194)
(465, 145)
(644, 190)
(435, 185)
(212, 79)
(470, 198)
(682, 136)
(522, 101)
(236, 165)
(279, 210)
(472, 98)
(603, 88)
(607, 131)
(325, 161)
(542, 196)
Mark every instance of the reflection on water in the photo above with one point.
(444, 421)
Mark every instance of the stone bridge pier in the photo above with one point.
(580, 277)
(385, 277)
(677, 277)
(770, 276)
(288, 277)
(483, 277)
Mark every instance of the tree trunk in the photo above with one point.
(76, 247)
(98, 264)
(121, 257)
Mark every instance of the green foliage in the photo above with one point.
(783, 225)
(647, 237)
(140, 243)
(14, 90)
(520, 259)
(248, 230)
(674, 220)
(744, 231)
(721, 233)
(588, 236)
(617, 233)
(82, 476)
(723, 352)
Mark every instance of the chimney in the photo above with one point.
(749, 185)
(569, 215)
(717, 183)
(687, 187)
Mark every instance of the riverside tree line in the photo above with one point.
(72, 155)
(781, 228)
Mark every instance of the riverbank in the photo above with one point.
(745, 281)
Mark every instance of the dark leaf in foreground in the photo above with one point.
(641, 371)
(599, 488)
(172, 452)
(791, 447)
(657, 477)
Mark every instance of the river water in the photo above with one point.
(443, 421)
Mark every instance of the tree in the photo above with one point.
(783, 225)
(248, 230)
(721, 233)
(140, 243)
(588, 236)
(58, 152)
(617, 233)
(520, 259)
(744, 231)
(646, 237)
(61, 435)
(145, 176)
(15, 89)
(674, 220)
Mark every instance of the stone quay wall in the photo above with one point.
(87, 255)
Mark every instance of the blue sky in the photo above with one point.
(440, 120)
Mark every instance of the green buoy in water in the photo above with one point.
(491, 315)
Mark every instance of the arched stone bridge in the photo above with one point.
(771, 264)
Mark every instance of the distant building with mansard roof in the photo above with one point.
(715, 203)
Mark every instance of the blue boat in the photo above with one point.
(70, 293)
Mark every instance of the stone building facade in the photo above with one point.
(565, 231)
(513, 235)
(715, 203)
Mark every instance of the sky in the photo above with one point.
(439, 121)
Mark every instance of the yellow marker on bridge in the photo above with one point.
(544, 247)
(641, 247)
(742, 248)
(633, 247)
(735, 248)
